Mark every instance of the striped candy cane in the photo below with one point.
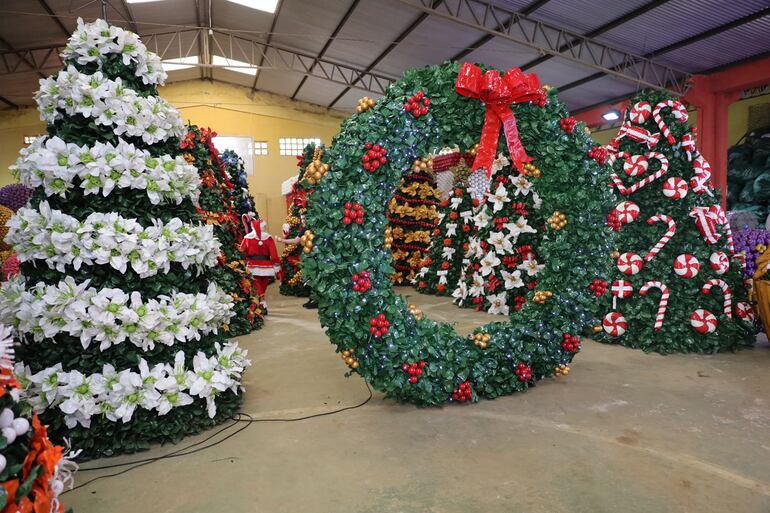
(679, 112)
(722, 219)
(622, 189)
(700, 182)
(662, 305)
(666, 236)
(727, 304)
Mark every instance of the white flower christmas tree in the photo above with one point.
(118, 317)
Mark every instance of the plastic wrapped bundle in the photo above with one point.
(15, 196)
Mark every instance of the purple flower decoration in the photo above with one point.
(747, 241)
(15, 196)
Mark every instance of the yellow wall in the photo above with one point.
(230, 111)
(738, 117)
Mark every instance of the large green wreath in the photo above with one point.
(416, 359)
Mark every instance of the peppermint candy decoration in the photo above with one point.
(614, 324)
(627, 212)
(675, 188)
(744, 311)
(703, 321)
(636, 165)
(719, 262)
(686, 266)
(630, 263)
(640, 112)
(622, 289)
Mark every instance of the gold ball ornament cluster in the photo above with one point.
(425, 164)
(365, 104)
(615, 254)
(316, 169)
(557, 221)
(561, 370)
(416, 312)
(306, 241)
(388, 237)
(761, 248)
(481, 340)
(598, 329)
(541, 296)
(349, 358)
(532, 170)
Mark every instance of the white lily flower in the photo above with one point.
(499, 198)
(512, 280)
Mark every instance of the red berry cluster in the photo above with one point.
(570, 343)
(518, 303)
(413, 106)
(502, 179)
(463, 392)
(568, 124)
(361, 281)
(414, 370)
(613, 221)
(531, 285)
(354, 213)
(510, 261)
(598, 287)
(599, 154)
(374, 157)
(523, 372)
(378, 326)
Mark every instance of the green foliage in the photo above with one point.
(677, 336)
(570, 183)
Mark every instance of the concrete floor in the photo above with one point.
(624, 432)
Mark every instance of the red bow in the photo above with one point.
(498, 93)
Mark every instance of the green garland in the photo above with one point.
(419, 360)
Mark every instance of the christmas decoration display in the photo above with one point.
(748, 175)
(293, 283)
(517, 353)
(244, 201)
(413, 215)
(217, 201)
(693, 255)
(503, 255)
(752, 243)
(365, 104)
(33, 471)
(442, 267)
(121, 333)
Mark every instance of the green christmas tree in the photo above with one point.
(119, 319)
(412, 213)
(217, 208)
(677, 286)
(444, 263)
(502, 260)
(236, 170)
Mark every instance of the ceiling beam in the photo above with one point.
(55, 18)
(679, 44)
(601, 30)
(393, 44)
(487, 17)
(500, 28)
(8, 102)
(25, 57)
(329, 41)
(269, 38)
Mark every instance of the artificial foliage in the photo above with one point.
(413, 215)
(120, 323)
(217, 206)
(389, 344)
(501, 258)
(677, 284)
(443, 265)
(243, 201)
(293, 283)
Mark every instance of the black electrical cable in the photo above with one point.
(185, 451)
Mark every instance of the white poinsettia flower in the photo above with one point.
(537, 201)
(481, 219)
(497, 304)
(521, 225)
(512, 280)
(489, 263)
(477, 285)
(499, 163)
(80, 392)
(531, 266)
(522, 185)
(47, 383)
(499, 198)
(461, 292)
(501, 242)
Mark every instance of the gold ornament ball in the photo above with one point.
(615, 254)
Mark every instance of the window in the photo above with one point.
(233, 65)
(260, 148)
(291, 146)
(29, 139)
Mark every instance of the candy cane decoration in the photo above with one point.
(666, 236)
(700, 182)
(688, 145)
(622, 189)
(662, 305)
(679, 112)
(727, 304)
(722, 219)
(246, 220)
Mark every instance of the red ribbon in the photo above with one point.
(498, 93)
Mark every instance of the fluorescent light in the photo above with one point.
(179, 63)
(260, 5)
(611, 115)
(141, 1)
(233, 65)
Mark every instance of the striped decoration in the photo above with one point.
(679, 112)
(666, 236)
(622, 189)
(727, 304)
(662, 305)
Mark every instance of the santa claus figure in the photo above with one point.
(261, 256)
